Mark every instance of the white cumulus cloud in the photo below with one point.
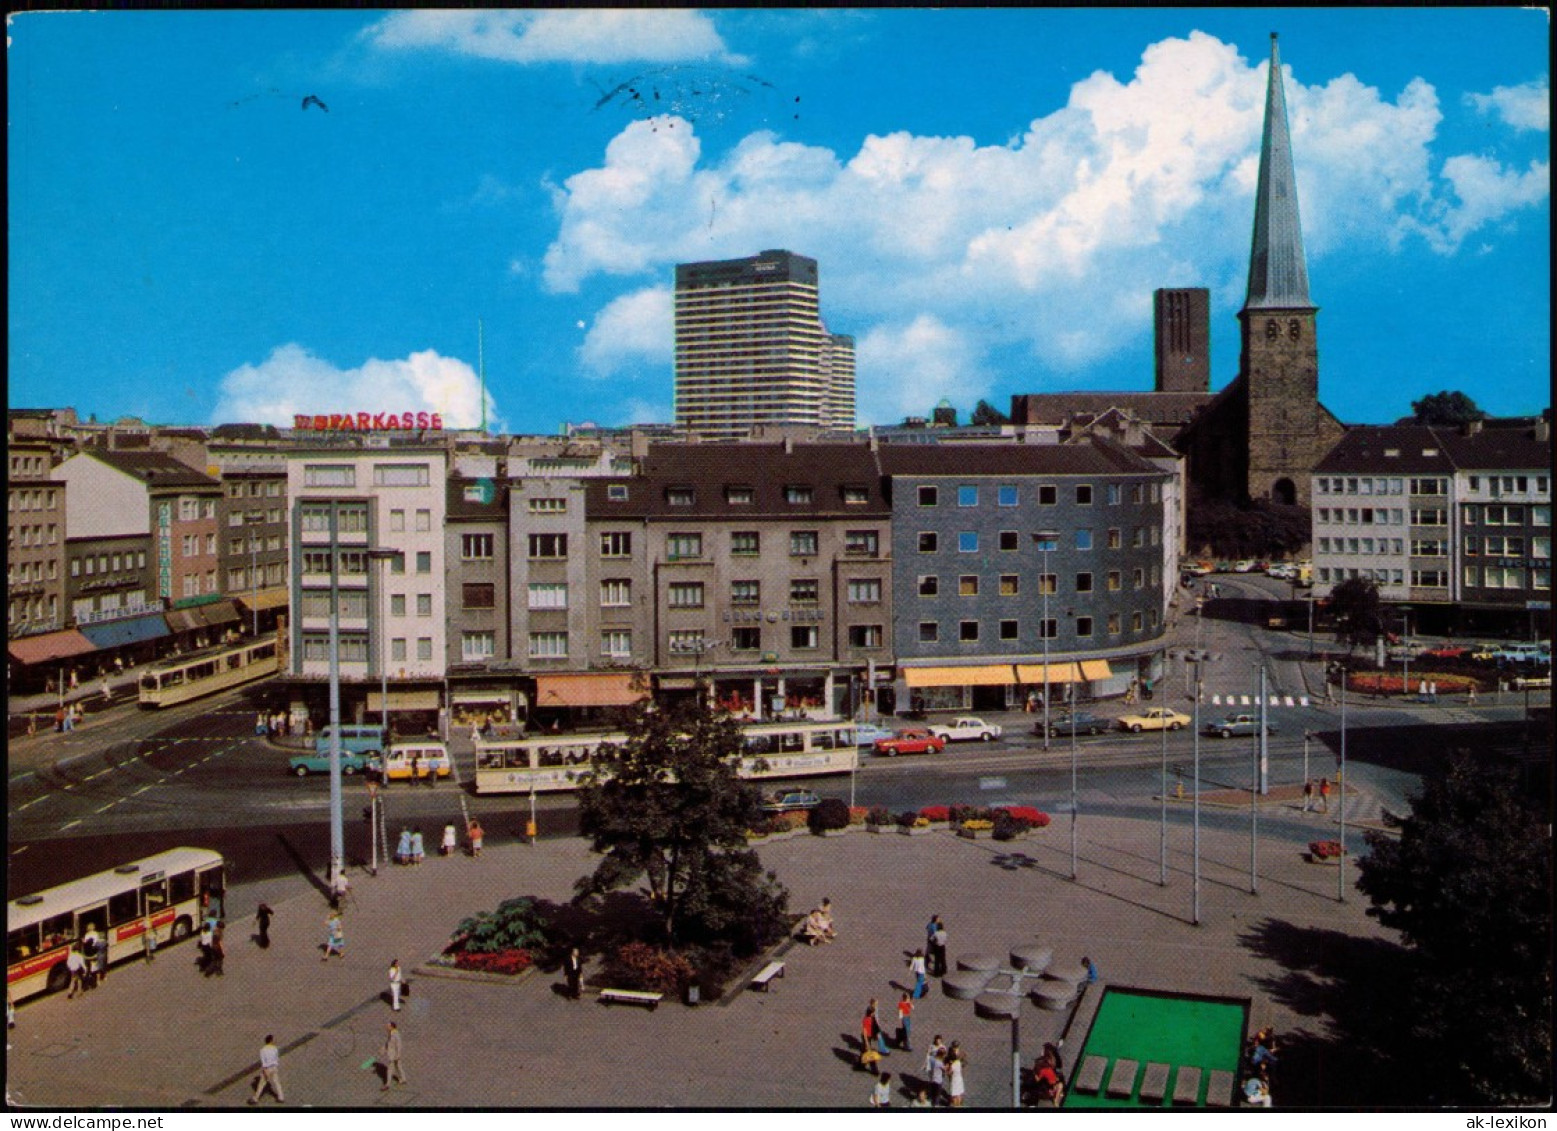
(618, 35)
(1050, 243)
(1527, 106)
(635, 329)
(292, 381)
(905, 369)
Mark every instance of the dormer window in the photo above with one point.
(1391, 453)
(740, 496)
(1429, 451)
(856, 496)
(798, 495)
(616, 492)
(680, 496)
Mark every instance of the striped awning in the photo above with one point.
(48, 646)
(974, 675)
(1057, 673)
(592, 689)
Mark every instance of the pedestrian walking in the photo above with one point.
(94, 949)
(340, 890)
(1308, 795)
(108, 692)
(450, 841)
(573, 970)
(393, 1071)
(1093, 977)
(59, 720)
(935, 1068)
(1324, 795)
(905, 1016)
(1432, 691)
(396, 983)
(262, 917)
(74, 683)
(916, 967)
(270, 1072)
(1470, 696)
(956, 1075)
(403, 849)
(881, 1091)
(476, 834)
(870, 1029)
(75, 967)
(418, 852)
(334, 937)
(218, 949)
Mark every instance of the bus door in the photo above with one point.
(124, 919)
(154, 903)
(210, 883)
(87, 918)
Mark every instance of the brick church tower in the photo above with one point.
(1263, 434)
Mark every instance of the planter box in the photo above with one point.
(456, 974)
(975, 834)
(915, 830)
(836, 832)
(1324, 861)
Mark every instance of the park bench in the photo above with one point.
(765, 976)
(630, 997)
(1154, 1085)
(1186, 1089)
(1121, 1081)
(1089, 1077)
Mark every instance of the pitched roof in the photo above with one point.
(1098, 455)
(1154, 408)
(1278, 272)
(155, 469)
(1406, 450)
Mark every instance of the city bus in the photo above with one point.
(189, 677)
(556, 762)
(161, 893)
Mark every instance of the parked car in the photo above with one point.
(865, 734)
(786, 799)
(1520, 655)
(1445, 652)
(352, 762)
(1157, 718)
(1237, 724)
(1083, 722)
(914, 740)
(967, 729)
(1243, 567)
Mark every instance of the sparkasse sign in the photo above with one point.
(369, 422)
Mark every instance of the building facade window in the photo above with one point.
(475, 646)
(548, 546)
(476, 547)
(684, 547)
(745, 543)
(548, 645)
(616, 544)
(616, 592)
(803, 543)
(548, 595)
(685, 595)
(864, 591)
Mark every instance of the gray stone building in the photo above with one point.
(976, 594)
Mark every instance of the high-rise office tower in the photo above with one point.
(751, 348)
(1183, 339)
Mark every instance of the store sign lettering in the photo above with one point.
(741, 616)
(369, 422)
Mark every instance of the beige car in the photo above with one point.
(1158, 718)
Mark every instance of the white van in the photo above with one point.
(407, 760)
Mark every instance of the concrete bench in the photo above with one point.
(1154, 1085)
(630, 997)
(1089, 1077)
(1186, 1089)
(1121, 1081)
(1219, 1093)
(766, 975)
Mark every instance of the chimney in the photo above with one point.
(1543, 431)
(1472, 427)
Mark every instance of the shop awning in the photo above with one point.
(202, 616)
(481, 695)
(48, 646)
(596, 689)
(265, 599)
(1096, 669)
(132, 630)
(408, 700)
(977, 675)
(1058, 673)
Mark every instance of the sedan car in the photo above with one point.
(786, 799)
(1083, 722)
(915, 740)
(866, 734)
(1237, 724)
(967, 729)
(1158, 718)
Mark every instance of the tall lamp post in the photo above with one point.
(1046, 541)
(383, 556)
(1199, 670)
(251, 519)
(337, 824)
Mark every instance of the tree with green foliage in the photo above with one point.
(668, 806)
(1354, 607)
(1450, 409)
(1262, 529)
(986, 414)
(517, 923)
(1468, 884)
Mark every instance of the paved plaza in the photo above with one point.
(164, 1037)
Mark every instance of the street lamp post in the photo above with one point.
(1162, 838)
(252, 519)
(1046, 542)
(337, 825)
(1340, 878)
(1199, 662)
(383, 556)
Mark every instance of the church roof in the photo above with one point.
(1278, 272)
(1154, 408)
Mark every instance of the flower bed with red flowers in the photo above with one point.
(1032, 818)
(1396, 683)
(1025, 815)
(490, 962)
(1325, 849)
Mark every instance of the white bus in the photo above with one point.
(175, 681)
(557, 762)
(160, 893)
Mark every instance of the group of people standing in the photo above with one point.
(945, 1066)
(1316, 794)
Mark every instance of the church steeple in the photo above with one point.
(1278, 273)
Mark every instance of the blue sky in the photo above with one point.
(991, 195)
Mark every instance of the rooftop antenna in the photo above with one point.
(481, 365)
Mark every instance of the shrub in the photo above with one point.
(935, 813)
(878, 816)
(516, 923)
(1007, 826)
(1030, 817)
(858, 814)
(1325, 849)
(639, 966)
(830, 814)
(787, 822)
(908, 818)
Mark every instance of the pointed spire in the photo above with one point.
(1278, 273)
